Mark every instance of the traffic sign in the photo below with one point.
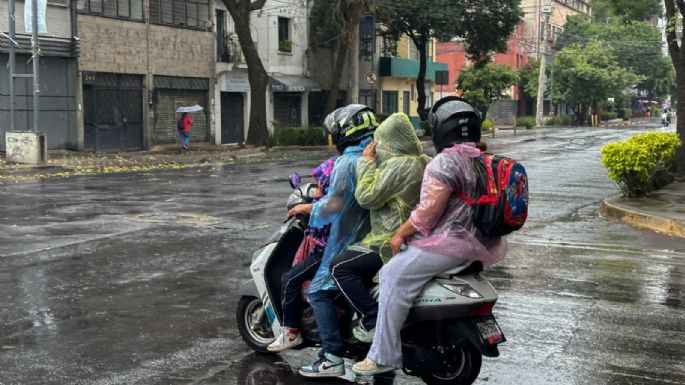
(371, 78)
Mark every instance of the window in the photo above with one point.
(182, 13)
(284, 42)
(367, 98)
(222, 50)
(123, 9)
(388, 47)
(389, 102)
(405, 102)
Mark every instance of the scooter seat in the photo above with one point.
(472, 267)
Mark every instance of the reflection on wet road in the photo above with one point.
(131, 279)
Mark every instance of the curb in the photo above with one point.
(612, 210)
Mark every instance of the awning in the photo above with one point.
(235, 81)
(292, 83)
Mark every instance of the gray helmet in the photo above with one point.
(348, 125)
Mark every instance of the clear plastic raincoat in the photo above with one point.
(339, 208)
(390, 187)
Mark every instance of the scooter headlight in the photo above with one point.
(463, 290)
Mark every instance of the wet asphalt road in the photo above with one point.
(130, 279)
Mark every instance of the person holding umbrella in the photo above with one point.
(183, 124)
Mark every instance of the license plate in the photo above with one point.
(490, 333)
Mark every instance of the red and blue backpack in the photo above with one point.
(502, 203)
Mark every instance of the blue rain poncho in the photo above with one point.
(349, 222)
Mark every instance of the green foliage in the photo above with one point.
(636, 47)
(589, 74)
(297, 136)
(625, 113)
(528, 76)
(487, 125)
(482, 85)
(642, 164)
(326, 24)
(562, 120)
(526, 121)
(609, 115)
(625, 10)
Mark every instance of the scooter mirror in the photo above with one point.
(295, 180)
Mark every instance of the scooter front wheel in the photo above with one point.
(253, 324)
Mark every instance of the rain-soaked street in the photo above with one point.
(132, 278)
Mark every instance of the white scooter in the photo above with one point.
(448, 330)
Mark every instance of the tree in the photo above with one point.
(528, 77)
(483, 27)
(626, 10)
(675, 11)
(240, 10)
(482, 85)
(585, 76)
(636, 46)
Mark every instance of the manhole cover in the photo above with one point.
(184, 219)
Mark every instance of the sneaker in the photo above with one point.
(286, 340)
(327, 366)
(362, 335)
(369, 367)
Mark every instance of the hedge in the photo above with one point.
(610, 115)
(487, 125)
(297, 136)
(527, 121)
(643, 163)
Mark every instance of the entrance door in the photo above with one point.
(232, 123)
(113, 111)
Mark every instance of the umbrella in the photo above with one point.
(194, 108)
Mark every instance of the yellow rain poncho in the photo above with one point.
(389, 188)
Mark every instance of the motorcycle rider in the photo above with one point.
(351, 128)
(307, 260)
(389, 178)
(442, 230)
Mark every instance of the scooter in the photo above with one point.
(448, 330)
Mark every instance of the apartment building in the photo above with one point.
(141, 60)
(58, 75)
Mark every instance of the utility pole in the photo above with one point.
(546, 11)
(353, 84)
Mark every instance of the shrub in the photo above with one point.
(526, 121)
(643, 163)
(626, 113)
(609, 115)
(487, 125)
(296, 136)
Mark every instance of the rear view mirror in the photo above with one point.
(295, 180)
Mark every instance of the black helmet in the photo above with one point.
(453, 120)
(349, 124)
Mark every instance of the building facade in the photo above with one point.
(140, 61)
(57, 75)
(281, 35)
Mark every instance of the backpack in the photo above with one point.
(502, 203)
(179, 123)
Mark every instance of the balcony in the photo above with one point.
(405, 68)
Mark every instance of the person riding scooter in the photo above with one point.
(351, 128)
(440, 233)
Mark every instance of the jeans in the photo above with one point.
(353, 271)
(185, 138)
(325, 313)
(292, 287)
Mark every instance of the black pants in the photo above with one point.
(292, 282)
(353, 272)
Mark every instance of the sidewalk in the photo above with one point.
(663, 211)
(65, 163)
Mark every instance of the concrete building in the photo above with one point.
(58, 75)
(281, 33)
(141, 60)
(560, 10)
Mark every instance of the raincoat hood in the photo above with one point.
(396, 136)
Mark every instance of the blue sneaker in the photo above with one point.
(326, 366)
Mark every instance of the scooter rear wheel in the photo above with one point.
(468, 360)
(256, 333)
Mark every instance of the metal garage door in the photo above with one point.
(232, 123)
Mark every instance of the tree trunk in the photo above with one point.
(258, 131)
(680, 122)
(332, 96)
(421, 42)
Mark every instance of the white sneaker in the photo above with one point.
(328, 366)
(286, 340)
